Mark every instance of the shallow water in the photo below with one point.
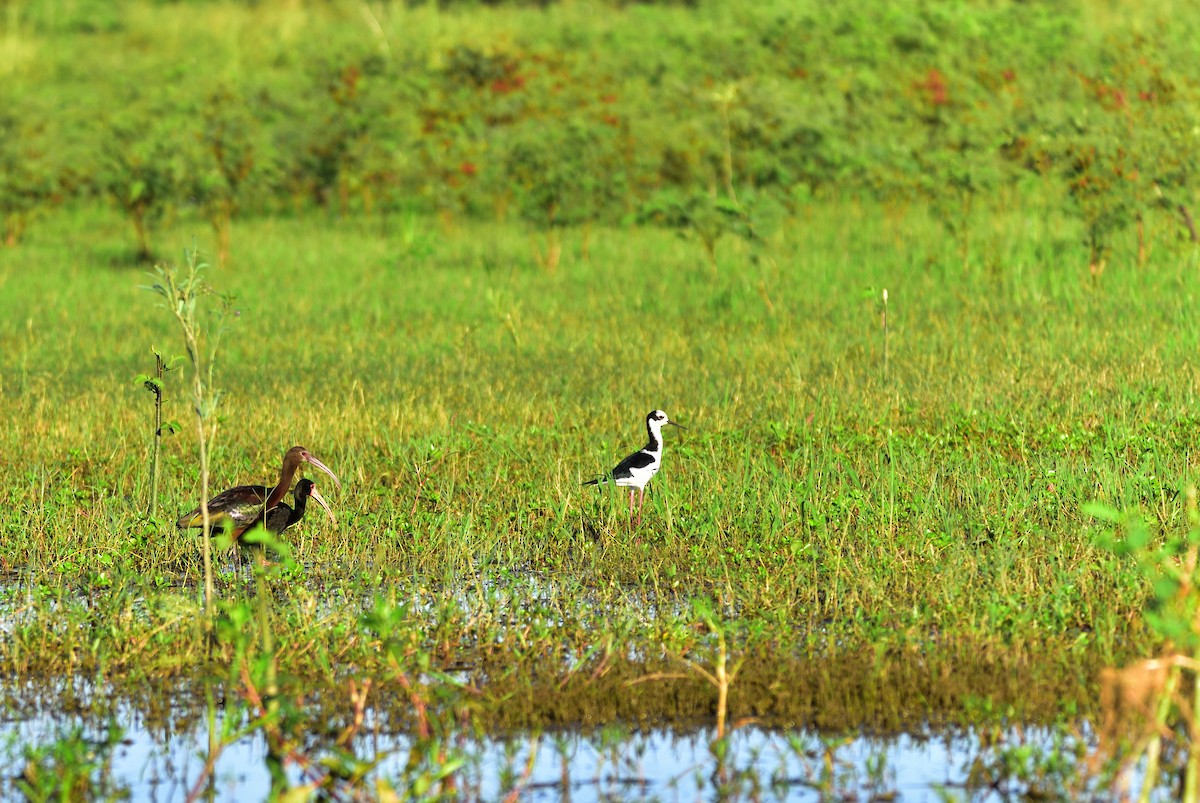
(152, 764)
(161, 755)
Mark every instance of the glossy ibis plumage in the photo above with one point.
(240, 508)
(280, 517)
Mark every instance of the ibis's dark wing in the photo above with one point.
(237, 508)
(624, 469)
(280, 517)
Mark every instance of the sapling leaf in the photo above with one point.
(1137, 537)
(727, 206)
(1102, 511)
(260, 535)
(702, 609)
(447, 768)
(298, 794)
(1170, 626)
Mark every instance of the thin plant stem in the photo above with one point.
(722, 683)
(202, 445)
(1191, 779)
(267, 638)
(727, 129)
(1154, 749)
(181, 296)
(885, 334)
(156, 387)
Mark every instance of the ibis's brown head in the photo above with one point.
(298, 454)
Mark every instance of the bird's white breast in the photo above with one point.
(638, 477)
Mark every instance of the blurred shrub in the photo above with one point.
(27, 172)
(676, 112)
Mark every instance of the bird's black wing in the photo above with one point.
(280, 517)
(640, 459)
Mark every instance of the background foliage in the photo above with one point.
(451, 236)
(569, 113)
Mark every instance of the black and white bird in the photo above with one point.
(640, 467)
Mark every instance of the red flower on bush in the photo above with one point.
(347, 87)
(936, 89)
(468, 168)
(504, 86)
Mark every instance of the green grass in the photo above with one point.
(462, 394)
(879, 548)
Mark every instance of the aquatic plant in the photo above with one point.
(1150, 702)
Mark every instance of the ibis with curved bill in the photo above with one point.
(280, 517)
(238, 509)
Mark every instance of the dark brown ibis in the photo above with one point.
(280, 517)
(240, 508)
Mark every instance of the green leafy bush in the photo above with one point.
(563, 117)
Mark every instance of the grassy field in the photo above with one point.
(878, 527)
(463, 393)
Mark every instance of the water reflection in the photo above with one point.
(160, 762)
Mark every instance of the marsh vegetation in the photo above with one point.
(460, 252)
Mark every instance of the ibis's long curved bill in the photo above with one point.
(311, 459)
(320, 500)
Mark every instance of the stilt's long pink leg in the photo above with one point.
(631, 506)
